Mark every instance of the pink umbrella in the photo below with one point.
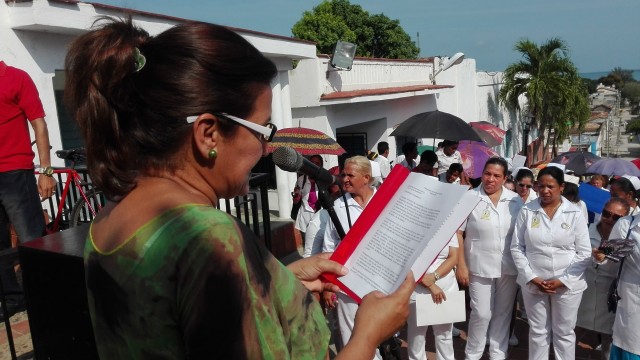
(496, 133)
(474, 156)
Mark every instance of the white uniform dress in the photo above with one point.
(306, 212)
(314, 236)
(626, 327)
(442, 332)
(557, 248)
(346, 306)
(593, 313)
(445, 161)
(492, 273)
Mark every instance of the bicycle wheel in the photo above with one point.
(81, 214)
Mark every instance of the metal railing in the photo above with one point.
(246, 208)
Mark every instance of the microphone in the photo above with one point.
(290, 160)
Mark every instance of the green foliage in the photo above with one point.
(631, 91)
(375, 35)
(633, 126)
(556, 96)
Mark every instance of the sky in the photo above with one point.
(601, 34)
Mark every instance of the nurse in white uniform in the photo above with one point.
(437, 281)
(524, 184)
(551, 249)
(626, 326)
(356, 182)
(486, 265)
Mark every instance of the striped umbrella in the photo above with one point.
(305, 141)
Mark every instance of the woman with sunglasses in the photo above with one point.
(486, 265)
(524, 185)
(626, 326)
(551, 249)
(593, 313)
(173, 123)
(623, 188)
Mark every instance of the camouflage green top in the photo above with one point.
(194, 284)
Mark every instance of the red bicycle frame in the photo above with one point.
(72, 176)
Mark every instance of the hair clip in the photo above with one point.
(139, 60)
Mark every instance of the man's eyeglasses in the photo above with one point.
(609, 214)
(265, 131)
(528, 186)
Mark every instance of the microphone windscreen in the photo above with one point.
(287, 159)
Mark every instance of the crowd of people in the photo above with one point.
(175, 122)
(532, 248)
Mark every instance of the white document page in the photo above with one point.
(450, 311)
(423, 213)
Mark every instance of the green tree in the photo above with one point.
(375, 35)
(556, 96)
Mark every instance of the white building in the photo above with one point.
(362, 105)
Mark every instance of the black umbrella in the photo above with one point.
(438, 125)
(577, 161)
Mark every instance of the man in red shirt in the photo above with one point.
(19, 194)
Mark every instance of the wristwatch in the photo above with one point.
(47, 171)
(436, 276)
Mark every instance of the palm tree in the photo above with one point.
(550, 83)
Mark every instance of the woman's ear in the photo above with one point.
(206, 134)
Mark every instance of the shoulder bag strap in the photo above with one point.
(622, 261)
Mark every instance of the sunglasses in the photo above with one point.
(608, 214)
(266, 132)
(525, 185)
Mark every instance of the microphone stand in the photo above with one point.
(327, 203)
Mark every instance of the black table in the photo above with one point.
(53, 280)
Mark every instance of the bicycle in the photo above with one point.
(89, 199)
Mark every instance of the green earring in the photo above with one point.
(213, 154)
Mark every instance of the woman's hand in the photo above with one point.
(462, 274)
(598, 255)
(330, 299)
(541, 284)
(553, 285)
(308, 271)
(428, 280)
(437, 294)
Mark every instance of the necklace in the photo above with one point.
(551, 213)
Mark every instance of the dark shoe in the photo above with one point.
(13, 307)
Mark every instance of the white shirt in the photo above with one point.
(487, 237)
(331, 238)
(626, 326)
(314, 236)
(385, 166)
(557, 248)
(444, 161)
(631, 267)
(376, 174)
(407, 165)
(532, 196)
(305, 188)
